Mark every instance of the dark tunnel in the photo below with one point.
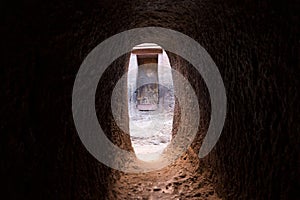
(255, 45)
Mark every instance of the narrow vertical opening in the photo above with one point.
(150, 101)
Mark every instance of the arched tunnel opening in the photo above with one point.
(254, 44)
(186, 176)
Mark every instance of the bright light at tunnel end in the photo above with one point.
(92, 68)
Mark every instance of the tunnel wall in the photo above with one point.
(194, 78)
(254, 44)
(257, 156)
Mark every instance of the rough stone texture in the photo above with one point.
(200, 89)
(255, 44)
(103, 104)
(183, 179)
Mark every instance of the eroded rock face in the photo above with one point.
(254, 44)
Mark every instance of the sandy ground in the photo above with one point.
(181, 180)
